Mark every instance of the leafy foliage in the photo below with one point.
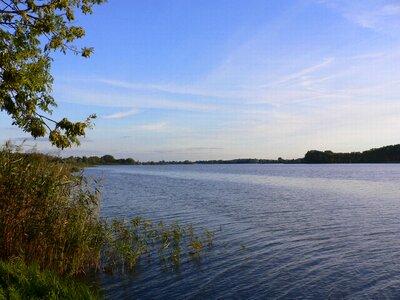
(387, 154)
(30, 30)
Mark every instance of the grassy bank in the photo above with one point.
(19, 281)
(49, 219)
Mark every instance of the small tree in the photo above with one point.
(30, 30)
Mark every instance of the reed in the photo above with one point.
(130, 240)
(47, 215)
(50, 229)
(50, 217)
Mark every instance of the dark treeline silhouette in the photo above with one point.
(387, 154)
(103, 160)
(110, 160)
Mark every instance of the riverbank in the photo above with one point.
(50, 222)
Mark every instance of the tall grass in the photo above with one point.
(50, 217)
(47, 215)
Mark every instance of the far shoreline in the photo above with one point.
(384, 155)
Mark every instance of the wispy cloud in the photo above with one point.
(300, 74)
(164, 127)
(169, 88)
(122, 114)
(188, 149)
(89, 96)
(391, 9)
(30, 139)
(161, 126)
(270, 93)
(202, 148)
(189, 90)
(380, 16)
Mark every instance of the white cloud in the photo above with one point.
(300, 74)
(290, 133)
(190, 90)
(185, 150)
(161, 126)
(380, 16)
(391, 9)
(83, 95)
(271, 103)
(122, 114)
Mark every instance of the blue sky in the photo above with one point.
(178, 80)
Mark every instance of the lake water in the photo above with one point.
(282, 231)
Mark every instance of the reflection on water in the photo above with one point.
(283, 231)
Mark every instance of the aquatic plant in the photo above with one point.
(129, 241)
(50, 217)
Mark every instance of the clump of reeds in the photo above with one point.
(50, 217)
(129, 241)
(47, 216)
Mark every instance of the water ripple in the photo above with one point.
(283, 232)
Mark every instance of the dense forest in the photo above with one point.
(387, 154)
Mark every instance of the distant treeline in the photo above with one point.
(103, 160)
(387, 154)
(110, 160)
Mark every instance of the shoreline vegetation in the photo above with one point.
(387, 154)
(51, 231)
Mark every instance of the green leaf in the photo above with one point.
(29, 33)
